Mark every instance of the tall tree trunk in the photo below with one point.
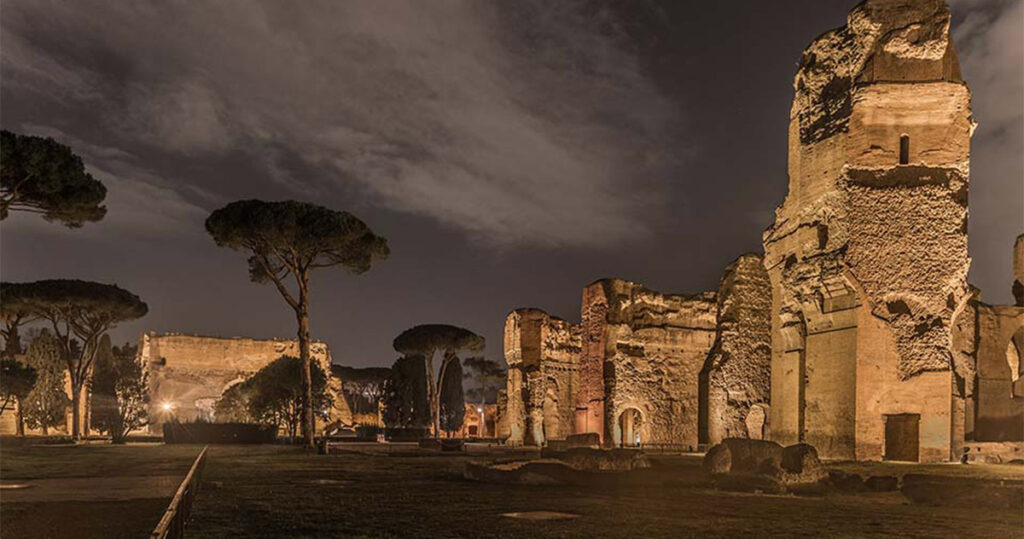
(21, 419)
(435, 404)
(76, 405)
(308, 423)
(432, 394)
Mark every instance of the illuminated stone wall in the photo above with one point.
(190, 372)
(868, 254)
(649, 348)
(736, 378)
(542, 353)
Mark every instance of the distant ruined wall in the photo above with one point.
(542, 354)
(736, 378)
(191, 372)
(868, 254)
(654, 346)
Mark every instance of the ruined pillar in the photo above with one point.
(542, 353)
(736, 375)
(868, 253)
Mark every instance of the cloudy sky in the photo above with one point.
(511, 151)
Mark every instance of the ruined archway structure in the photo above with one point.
(868, 257)
(858, 332)
(644, 354)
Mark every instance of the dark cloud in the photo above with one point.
(511, 151)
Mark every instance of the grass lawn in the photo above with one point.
(133, 517)
(273, 491)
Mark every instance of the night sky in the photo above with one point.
(511, 151)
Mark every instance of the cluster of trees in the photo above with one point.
(40, 175)
(120, 390)
(274, 395)
(415, 398)
(285, 241)
(78, 316)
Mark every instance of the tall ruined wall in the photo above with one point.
(999, 415)
(654, 346)
(868, 254)
(737, 373)
(190, 372)
(542, 354)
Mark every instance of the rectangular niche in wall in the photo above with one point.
(902, 437)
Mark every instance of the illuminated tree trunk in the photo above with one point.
(308, 422)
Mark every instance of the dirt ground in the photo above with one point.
(274, 492)
(88, 490)
(399, 491)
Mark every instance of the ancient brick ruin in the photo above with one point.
(189, 372)
(641, 365)
(857, 332)
(868, 254)
(542, 355)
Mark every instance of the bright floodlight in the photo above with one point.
(167, 407)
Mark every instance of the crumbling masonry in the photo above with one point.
(857, 332)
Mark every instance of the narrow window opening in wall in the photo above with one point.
(904, 149)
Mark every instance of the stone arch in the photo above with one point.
(629, 423)
(1014, 355)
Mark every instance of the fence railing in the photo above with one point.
(172, 524)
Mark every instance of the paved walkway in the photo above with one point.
(89, 489)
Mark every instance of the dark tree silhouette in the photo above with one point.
(120, 391)
(452, 412)
(273, 395)
(46, 405)
(40, 175)
(85, 310)
(16, 381)
(290, 239)
(405, 403)
(429, 339)
(487, 376)
(14, 313)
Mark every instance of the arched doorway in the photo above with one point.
(1014, 353)
(629, 425)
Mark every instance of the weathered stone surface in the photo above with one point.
(736, 455)
(639, 370)
(542, 353)
(760, 465)
(868, 253)
(190, 372)
(993, 452)
(736, 377)
(585, 458)
(800, 464)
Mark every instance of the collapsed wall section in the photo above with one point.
(736, 378)
(649, 349)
